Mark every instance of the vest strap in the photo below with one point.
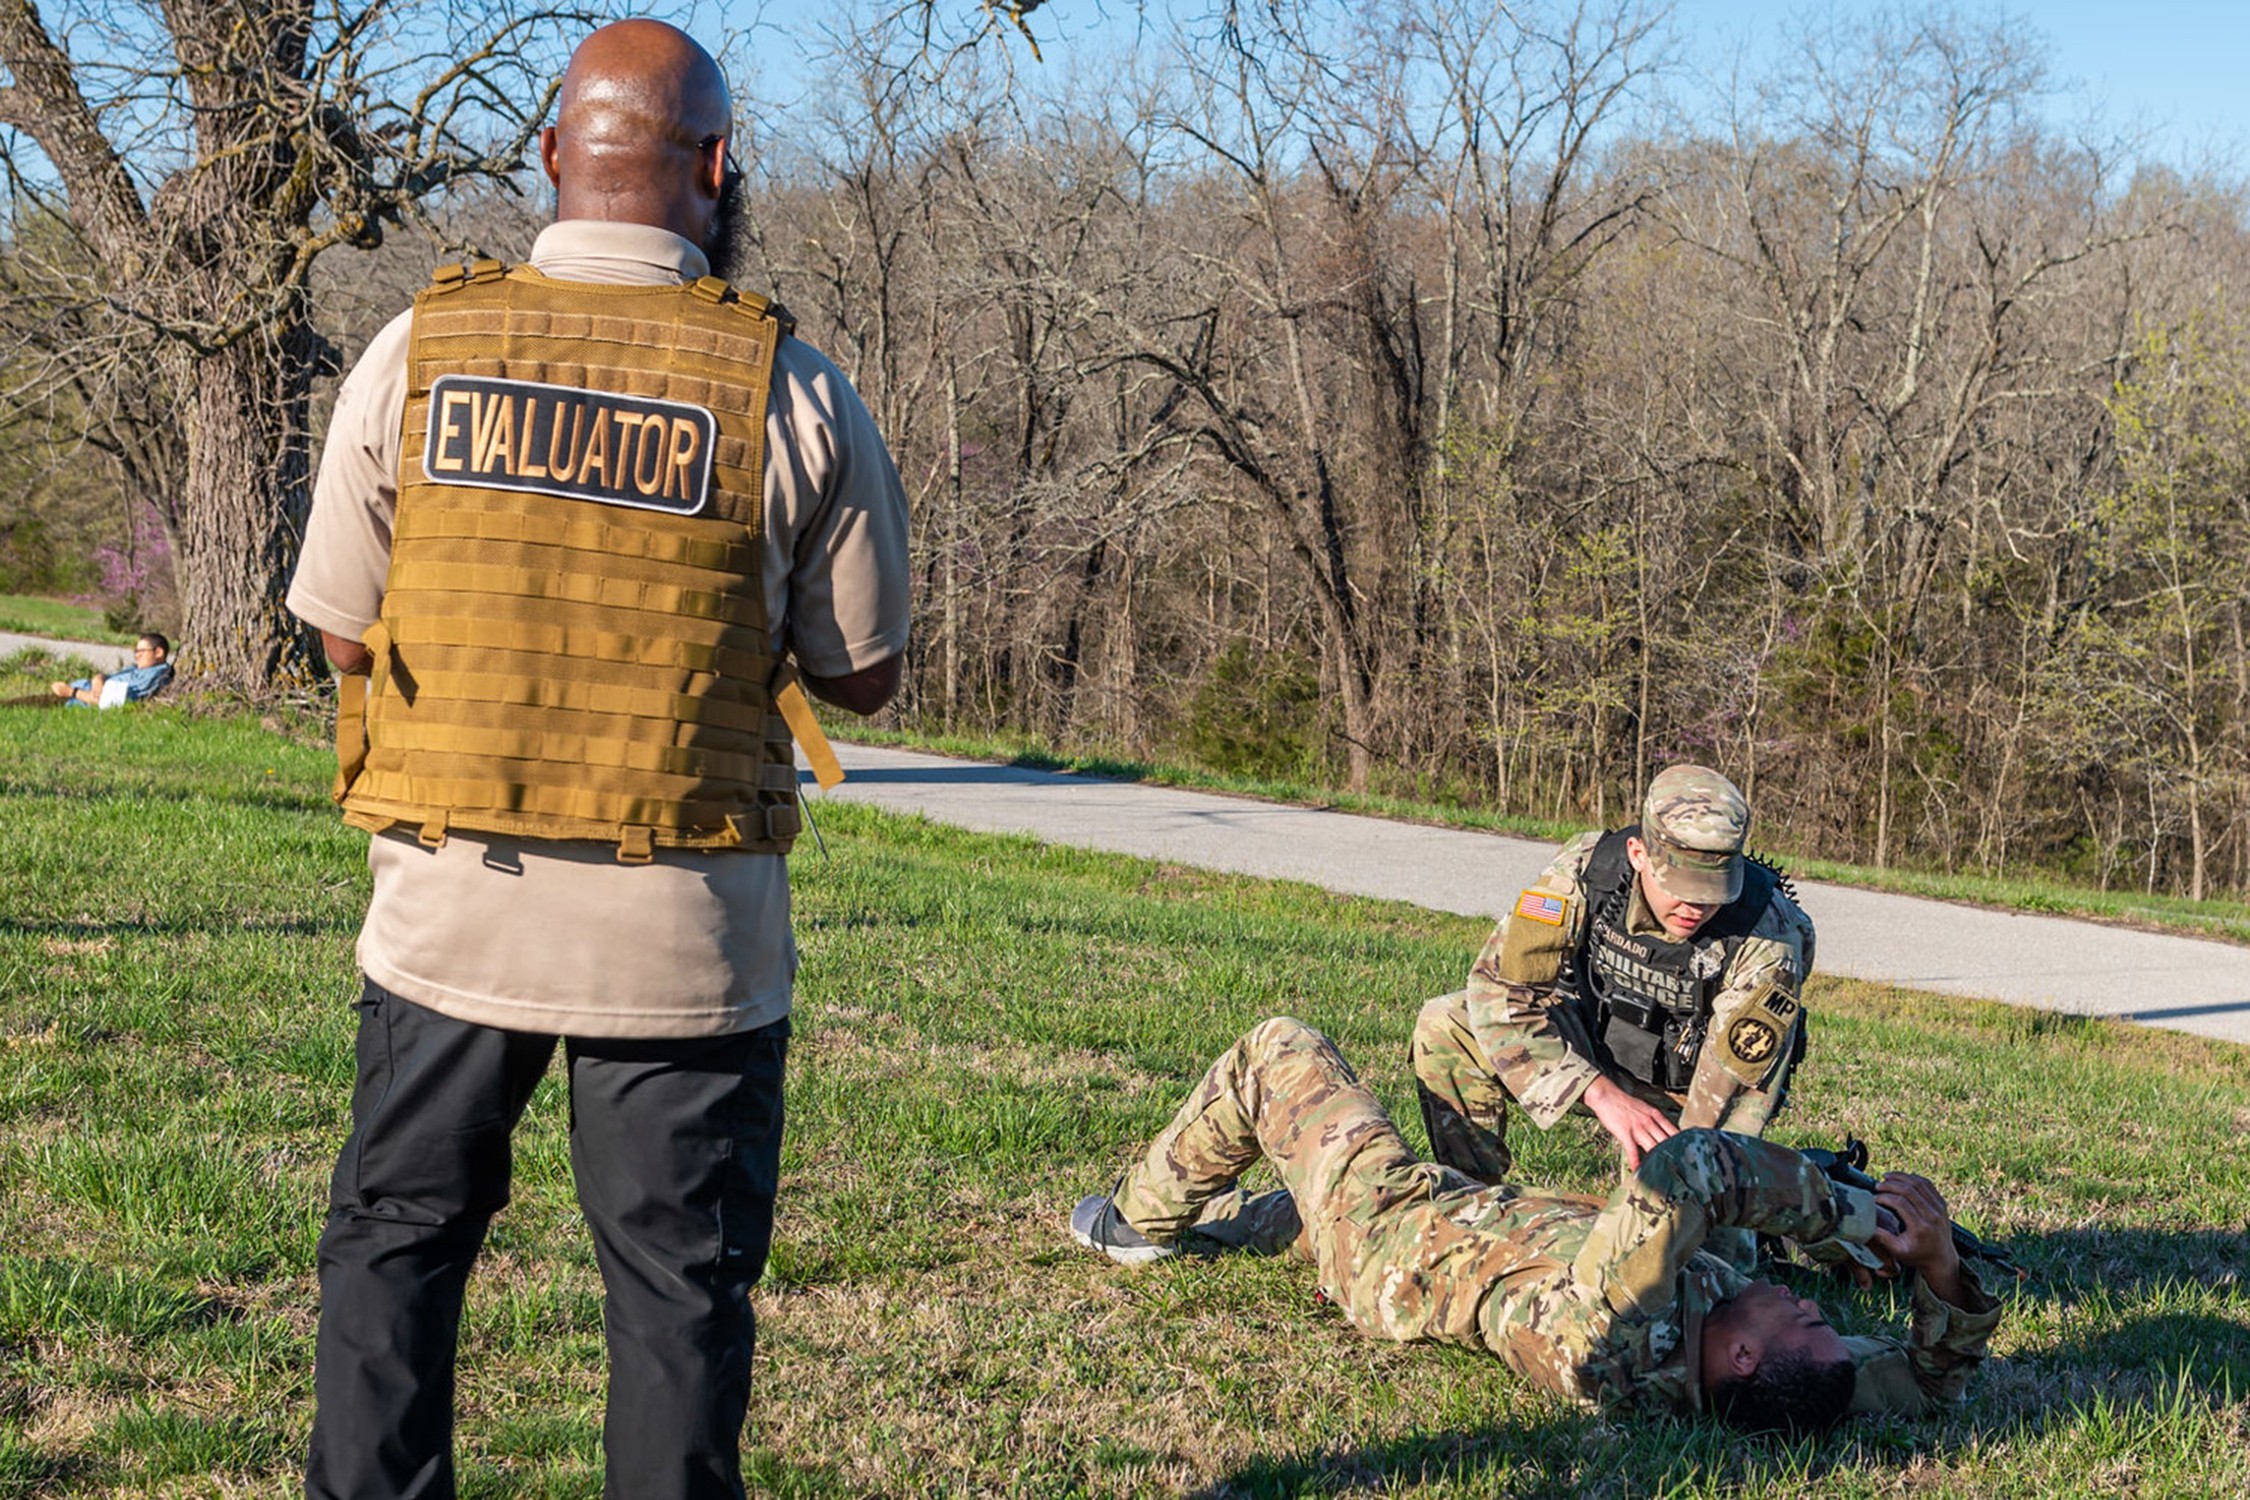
(819, 754)
(351, 732)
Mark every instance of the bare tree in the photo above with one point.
(201, 157)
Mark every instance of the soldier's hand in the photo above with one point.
(1924, 1238)
(1639, 1127)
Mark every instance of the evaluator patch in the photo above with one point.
(572, 443)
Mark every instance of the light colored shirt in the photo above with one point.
(557, 936)
(126, 685)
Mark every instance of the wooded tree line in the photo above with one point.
(1398, 403)
(1421, 405)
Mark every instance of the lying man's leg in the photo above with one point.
(1406, 1248)
(1286, 1094)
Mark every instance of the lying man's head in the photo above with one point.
(1771, 1363)
(150, 649)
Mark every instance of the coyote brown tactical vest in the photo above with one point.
(574, 642)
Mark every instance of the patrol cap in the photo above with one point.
(1693, 823)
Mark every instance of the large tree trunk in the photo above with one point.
(242, 512)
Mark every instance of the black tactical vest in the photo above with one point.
(1645, 998)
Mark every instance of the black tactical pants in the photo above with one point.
(675, 1146)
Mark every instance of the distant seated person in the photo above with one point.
(150, 670)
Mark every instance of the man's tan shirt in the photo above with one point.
(559, 937)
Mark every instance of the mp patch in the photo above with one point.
(1756, 1039)
(576, 444)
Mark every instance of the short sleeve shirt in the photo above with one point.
(557, 936)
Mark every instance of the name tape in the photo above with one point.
(576, 444)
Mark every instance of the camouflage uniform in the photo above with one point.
(1602, 1303)
(1509, 1035)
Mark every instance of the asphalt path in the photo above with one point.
(104, 658)
(2053, 963)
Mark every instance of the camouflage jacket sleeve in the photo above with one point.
(1511, 985)
(1944, 1344)
(1692, 1183)
(1730, 1092)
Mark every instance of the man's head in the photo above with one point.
(640, 135)
(150, 649)
(1689, 850)
(1771, 1363)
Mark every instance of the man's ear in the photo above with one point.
(1636, 853)
(550, 155)
(711, 170)
(1742, 1356)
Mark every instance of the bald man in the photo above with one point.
(582, 528)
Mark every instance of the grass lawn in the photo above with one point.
(985, 1029)
(31, 614)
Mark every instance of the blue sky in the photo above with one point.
(2179, 69)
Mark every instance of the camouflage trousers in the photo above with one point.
(1408, 1249)
(1464, 1103)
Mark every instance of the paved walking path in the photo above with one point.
(2083, 968)
(104, 658)
(2185, 983)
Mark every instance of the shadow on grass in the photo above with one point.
(199, 925)
(27, 1471)
(274, 798)
(1529, 1452)
(1564, 1456)
(2132, 1263)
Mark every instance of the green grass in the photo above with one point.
(2222, 919)
(30, 614)
(985, 1029)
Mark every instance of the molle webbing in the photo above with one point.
(574, 641)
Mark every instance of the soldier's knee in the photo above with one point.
(1282, 1032)
(1440, 1024)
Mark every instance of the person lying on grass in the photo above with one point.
(150, 670)
(1609, 1304)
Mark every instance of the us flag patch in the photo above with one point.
(1542, 906)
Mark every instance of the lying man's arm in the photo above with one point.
(1694, 1182)
(1953, 1316)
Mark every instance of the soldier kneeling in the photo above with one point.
(1650, 976)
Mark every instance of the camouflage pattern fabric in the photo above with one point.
(1498, 1041)
(1694, 822)
(1597, 1302)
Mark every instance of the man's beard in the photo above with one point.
(729, 248)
